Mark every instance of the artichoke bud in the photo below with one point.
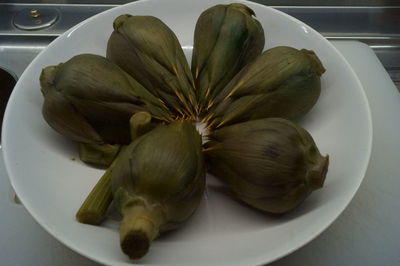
(149, 51)
(226, 38)
(271, 164)
(157, 183)
(282, 82)
(90, 99)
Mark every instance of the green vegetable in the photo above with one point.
(157, 183)
(226, 38)
(90, 100)
(271, 164)
(93, 209)
(150, 52)
(283, 82)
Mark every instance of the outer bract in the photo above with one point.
(282, 82)
(226, 38)
(90, 99)
(148, 50)
(270, 164)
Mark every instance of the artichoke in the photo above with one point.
(157, 183)
(149, 51)
(271, 164)
(282, 82)
(93, 210)
(226, 38)
(90, 100)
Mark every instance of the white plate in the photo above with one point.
(222, 231)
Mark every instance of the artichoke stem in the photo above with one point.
(93, 209)
(317, 174)
(139, 227)
(98, 154)
(140, 123)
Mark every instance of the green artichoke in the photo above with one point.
(149, 51)
(90, 100)
(226, 38)
(271, 164)
(282, 82)
(93, 210)
(157, 183)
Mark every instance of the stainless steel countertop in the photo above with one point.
(379, 27)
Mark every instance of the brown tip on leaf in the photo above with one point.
(136, 244)
(178, 110)
(174, 70)
(207, 118)
(192, 101)
(188, 113)
(120, 20)
(220, 124)
(317, 174)
(198, 108)
(162, 102)
(210, 104)
(231, 93)
(47, 77)
(178, 94)
(208, 92)
(171, 118)
(211, 125)
(188, 110)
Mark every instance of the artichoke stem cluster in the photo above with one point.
(133, 112)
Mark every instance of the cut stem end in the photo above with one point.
(135, 244)
(139, 227)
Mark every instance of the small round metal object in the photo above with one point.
(7, 83)
(35, 19)
(35, 13)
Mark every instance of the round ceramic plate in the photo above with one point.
(52, 185)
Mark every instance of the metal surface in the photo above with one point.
(376, 26)
(264, 2)
(69, 16)
(35, 18)
(16, 52)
